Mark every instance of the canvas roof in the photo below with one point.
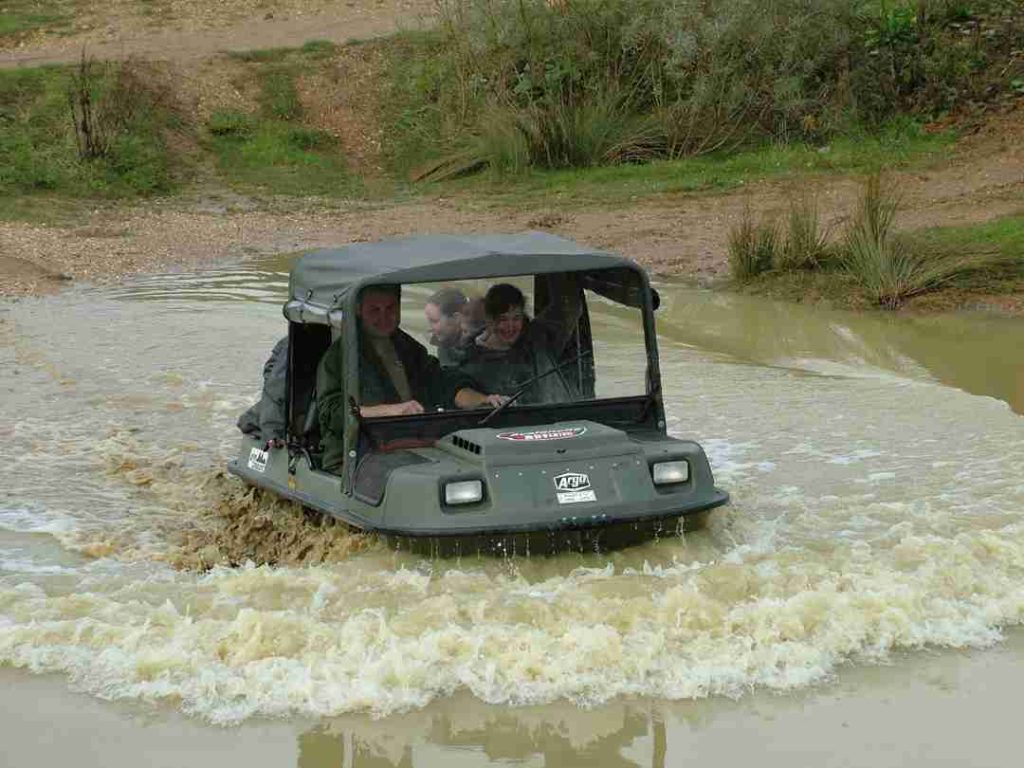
(322, 278)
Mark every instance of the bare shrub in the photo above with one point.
(91, 132)
(106, 100)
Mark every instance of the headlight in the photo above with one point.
(463, 492)
(670, 472)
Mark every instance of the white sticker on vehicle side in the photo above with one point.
(258, 460)
(575, 497)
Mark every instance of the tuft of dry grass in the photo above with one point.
(753, 247)
(889, 268)
(806, 243)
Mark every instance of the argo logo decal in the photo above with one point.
(573, 487)
(565, 433)
(572, 481)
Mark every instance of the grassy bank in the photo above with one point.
(271, 144)
(20, 18)
(127, 131)
(899, 145)
(511, 86)
(130, 114)
(273, 148)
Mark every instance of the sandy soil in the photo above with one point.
(681, 234)
(188, 30)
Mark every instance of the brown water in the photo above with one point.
(876, 522)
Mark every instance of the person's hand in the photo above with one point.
(408, 408)
(275, 442)
(496, 401)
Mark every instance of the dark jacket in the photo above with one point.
(266, 419)
(375, 388)
(503, 372)
(538, 349)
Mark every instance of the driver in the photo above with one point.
(396, 375)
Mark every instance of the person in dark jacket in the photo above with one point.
(266, 419)
(397, 377)
(513, 349)
(443, 311)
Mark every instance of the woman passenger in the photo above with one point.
(513, 349)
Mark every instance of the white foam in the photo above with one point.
(26, 520)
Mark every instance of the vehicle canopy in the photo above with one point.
(324, 290)
(329, 279)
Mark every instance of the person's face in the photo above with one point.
(508, 325)
(445, 328)
(471, 319)
(380, 312)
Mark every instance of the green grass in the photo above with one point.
(272, 151)
(1002, 237)
(273, 156)
(19, 17)
(38, 154)
(900, 146)
(1005, 235)
(310, 50)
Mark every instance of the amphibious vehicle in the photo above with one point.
(596, 470)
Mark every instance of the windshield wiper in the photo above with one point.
(519, 392)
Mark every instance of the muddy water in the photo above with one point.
(875, 466)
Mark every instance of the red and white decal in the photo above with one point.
(565, 433)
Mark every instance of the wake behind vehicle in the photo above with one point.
(596, 470)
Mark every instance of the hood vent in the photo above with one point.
(466, 445)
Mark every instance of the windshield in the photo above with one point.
(543, 341)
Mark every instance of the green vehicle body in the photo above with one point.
(555, 476)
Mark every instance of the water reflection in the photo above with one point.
(617, 736)
(980, 353)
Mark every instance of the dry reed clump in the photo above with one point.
(887, 268)
(890, 269)
(806, 243)
(753, 246)
(242, 524)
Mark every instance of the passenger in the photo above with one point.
(473, 320)
(512, 350)
(443, 311)
(396, 375)
(266, 419)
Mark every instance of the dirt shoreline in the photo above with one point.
(684, 236)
